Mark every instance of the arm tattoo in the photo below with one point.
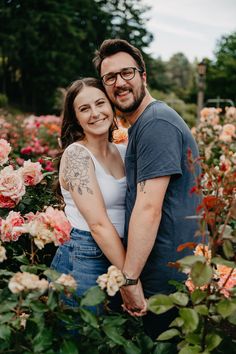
(142, 185)
(75, 172)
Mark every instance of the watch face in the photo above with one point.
(131, 281)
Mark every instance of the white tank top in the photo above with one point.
(113, 191)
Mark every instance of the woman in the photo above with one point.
(93, 185)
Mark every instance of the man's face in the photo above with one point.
(126, 95)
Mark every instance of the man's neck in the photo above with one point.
(133, 116)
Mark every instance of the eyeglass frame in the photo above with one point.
(120, 73)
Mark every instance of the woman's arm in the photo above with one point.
(78, 175)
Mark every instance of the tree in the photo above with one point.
(47, 44)
(221, 73)
(128, 21)
(157, 76)
(180, 74)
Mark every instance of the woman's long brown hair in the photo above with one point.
(71, 130)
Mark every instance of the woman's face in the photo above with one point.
(93, 111)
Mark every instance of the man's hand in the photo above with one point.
(134, 301)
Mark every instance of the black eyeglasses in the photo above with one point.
(126, 74)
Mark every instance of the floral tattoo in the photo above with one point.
(76, 169)
(142, 185)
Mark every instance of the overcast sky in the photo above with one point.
(189, 26)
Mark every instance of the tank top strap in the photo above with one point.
(122, 150)
(96, 163)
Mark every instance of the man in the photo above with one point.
(158, 181)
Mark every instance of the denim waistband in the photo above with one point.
(77, 232)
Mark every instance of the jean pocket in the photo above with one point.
(92, 252)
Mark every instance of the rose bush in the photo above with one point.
(33, 317)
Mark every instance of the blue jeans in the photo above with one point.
(83, 259)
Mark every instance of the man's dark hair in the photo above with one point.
(113, 46)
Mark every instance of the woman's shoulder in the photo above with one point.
(76, 150)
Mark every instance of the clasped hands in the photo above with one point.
(134, 301)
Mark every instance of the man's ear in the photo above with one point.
(144, 77)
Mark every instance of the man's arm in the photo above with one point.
(144, 223)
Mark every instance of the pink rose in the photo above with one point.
(5, 149)
(228, 129)
(57, 220)
(227, 133)
(11, 185)
(31, 173)
(9, 225)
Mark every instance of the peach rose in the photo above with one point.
(112, 281)
(210, 115)
(31, 173)
(230, 112)
(2, 253)
(57, 220)
(27, 281)
(67, 280)
(49, 226)
(5, 149)
(120, 136)
(11, 187)
(227, 133)
(10, 227)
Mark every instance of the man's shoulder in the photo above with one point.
(159, 113)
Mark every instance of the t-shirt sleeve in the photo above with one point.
(159, 150)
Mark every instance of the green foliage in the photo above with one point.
(221, 74)
(47, 44)
(3, 100)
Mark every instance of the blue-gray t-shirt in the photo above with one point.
(158, 145)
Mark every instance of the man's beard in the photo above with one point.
(135, 104)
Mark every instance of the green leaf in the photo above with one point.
(52, 301)
(201, 273)
(29, 269)
(69, 347)
(190, 318)
(51, 274)
(42, 340)
(228, 249)
(131, 348)
(232, 318)
(164, 348)
(178, 322)
(112, 333)
(170, 333)
(225, 308)
(4, 272)
(93, 297)
(8, 306)
(193, 338)
(178, 285)
(88, 317)
(38, 306)
(5, 332)
(212, 341)
(179, 298)
(117, 320)
(22, 259)
(220, 260)
(198, 295)
(160, 303)
(188, 261)
(202, 310)
(6, 317)
(191, 350)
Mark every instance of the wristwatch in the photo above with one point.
(129, 281)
